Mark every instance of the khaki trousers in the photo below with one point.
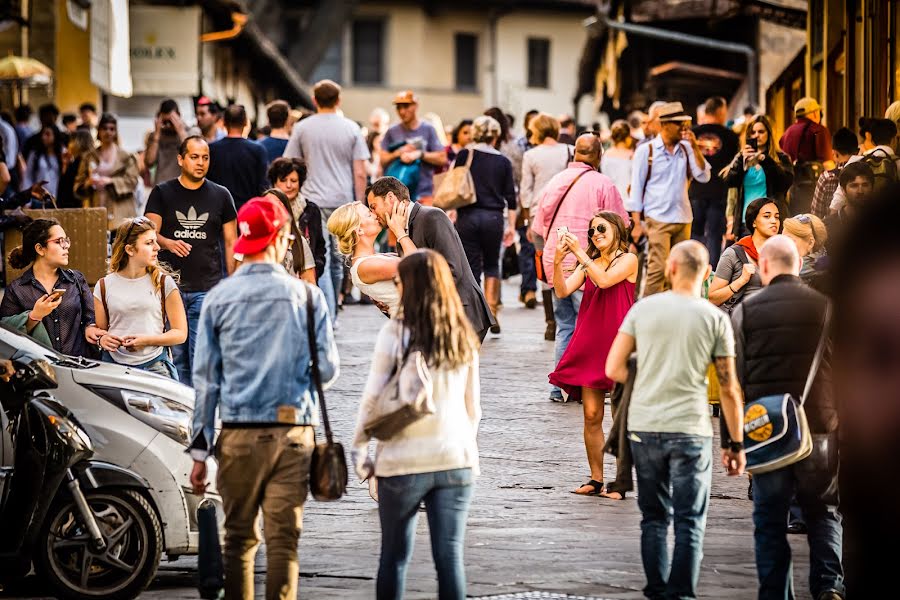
(263, 468)
(661, 237)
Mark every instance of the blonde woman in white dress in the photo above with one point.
(356, 228)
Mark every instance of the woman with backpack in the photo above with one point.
(736, 275)
(136, 299)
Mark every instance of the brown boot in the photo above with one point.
(528, 299)
(547, 299)
(492, 294)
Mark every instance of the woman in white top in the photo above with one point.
(356, 227)
(435, 459)
(128, 303)
(616, 162)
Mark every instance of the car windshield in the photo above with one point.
(17, 346)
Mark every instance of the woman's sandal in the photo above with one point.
(608, 495)
(597, 488)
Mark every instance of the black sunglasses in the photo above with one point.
(601, 229)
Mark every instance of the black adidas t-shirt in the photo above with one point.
(195, 217)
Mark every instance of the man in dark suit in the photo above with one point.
(431, 228)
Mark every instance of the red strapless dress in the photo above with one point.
(584, 362)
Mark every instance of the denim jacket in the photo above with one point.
(252, 357)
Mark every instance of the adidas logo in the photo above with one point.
(191, 222)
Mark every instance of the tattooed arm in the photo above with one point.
(732, 412)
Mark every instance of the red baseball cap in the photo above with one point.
(258, 223)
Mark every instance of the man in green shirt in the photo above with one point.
(676, 335)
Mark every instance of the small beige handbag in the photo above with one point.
(407, 397)
(457, 189)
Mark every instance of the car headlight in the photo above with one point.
(166, 416)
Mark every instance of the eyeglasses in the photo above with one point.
(804, 218)
(601, 229)
(63, 242)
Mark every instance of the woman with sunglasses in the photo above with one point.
(108, 176)
(136, 299)
(50, 294)
(608, 273)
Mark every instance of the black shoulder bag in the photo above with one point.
(328, 468)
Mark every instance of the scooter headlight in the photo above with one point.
(166, 416)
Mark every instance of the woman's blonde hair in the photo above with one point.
(808, 227)
(543, 126)
(772, 150)
(127, 234)
(342, 224)
(433, 313)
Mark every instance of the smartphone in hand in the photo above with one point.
(56, 293)
(561, 231)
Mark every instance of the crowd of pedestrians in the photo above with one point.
(714, 243)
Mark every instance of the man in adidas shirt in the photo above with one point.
(195, 221)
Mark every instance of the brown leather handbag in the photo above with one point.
(328, 469)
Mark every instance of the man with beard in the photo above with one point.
(431, 228)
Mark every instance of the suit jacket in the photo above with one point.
(431, 228)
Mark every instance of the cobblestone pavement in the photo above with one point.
(526, 532)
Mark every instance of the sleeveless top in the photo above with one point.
(382, 291)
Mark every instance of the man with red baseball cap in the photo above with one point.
(252, 363)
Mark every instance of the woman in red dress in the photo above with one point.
(608, 273)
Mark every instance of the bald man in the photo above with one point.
(777, 332)
(569, 200)
(676, 334)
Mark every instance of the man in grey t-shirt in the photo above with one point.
(335, 153)
(677, 334)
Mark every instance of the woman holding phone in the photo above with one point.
(135, 301)
(608, 273)
(760, 170)
(50, 293)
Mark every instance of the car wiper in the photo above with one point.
(75, 362)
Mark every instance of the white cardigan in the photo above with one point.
(438, 442)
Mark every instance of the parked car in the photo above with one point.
(136, 420)
(85, 525)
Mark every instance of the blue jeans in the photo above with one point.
(814, 480)
(161, 365)
(333, 276)
(447, 495)
(709, 225)
(526, 263)
(183, 354)
(565, 310)
(674, 472)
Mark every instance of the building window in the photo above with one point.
(332, 64)
(466, 45)
(538, 63)
(368, 51)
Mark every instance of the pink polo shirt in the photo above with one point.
(592, 193)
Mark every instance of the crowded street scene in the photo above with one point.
(494, 300)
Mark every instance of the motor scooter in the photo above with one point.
(85, 526)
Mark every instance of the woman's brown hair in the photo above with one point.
(618, 228)
(772, 149)
(433, 313)
(127, 234)
(36, 233)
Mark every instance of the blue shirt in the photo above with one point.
(274, 148)
(754, 185)
(424, 138)
(666, 197)
(252, 359)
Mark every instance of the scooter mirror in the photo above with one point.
(36, 375)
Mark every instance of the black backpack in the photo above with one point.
(883, 165)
